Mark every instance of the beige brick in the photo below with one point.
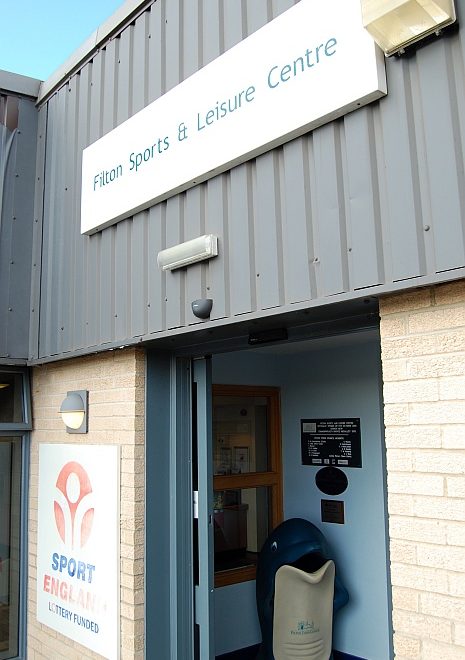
(439, 412)
(438, 318)
(456, 584)
(421, 578)
(403, 552)
(455, 486)
(394, 370)
(435, 366)
(410, 346)
(405, 599)
(449, 293)
(442, 508)
(406, 647)
(424, 627)
(413, 436)
(451, 341)
(411, 391)
(452, 387)
(418, 529)
(455, 532)
(446, 557)
(453, 436)
(459, 634)
(400, 460)
(396, 414)
(405, 302)
(393, 326)
(443, 606)
(402, 505)
(416, 484)
(432, 650)
(440, 461)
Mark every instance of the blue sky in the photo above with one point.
(37, 36)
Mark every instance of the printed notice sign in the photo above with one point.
(331, 442)
(311, 64)
(78, 544)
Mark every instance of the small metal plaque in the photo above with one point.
(332, 511)
(331, 442)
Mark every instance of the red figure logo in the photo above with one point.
(74, 513)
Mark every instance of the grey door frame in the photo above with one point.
(173, 604)
(204, 590)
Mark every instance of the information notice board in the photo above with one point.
(331, 442)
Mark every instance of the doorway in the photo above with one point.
(328, 378)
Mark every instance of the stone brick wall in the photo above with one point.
(423, 358)
(116, 384)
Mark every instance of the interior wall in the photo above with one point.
(344, 382)
(334, 378)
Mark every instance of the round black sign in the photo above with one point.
(331, 480)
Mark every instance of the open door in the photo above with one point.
(203, 509)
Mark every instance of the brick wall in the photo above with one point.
(115, 381)
(423, 357)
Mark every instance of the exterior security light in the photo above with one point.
(395, 24)
(190, 252)
(74, 411)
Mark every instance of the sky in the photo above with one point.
(38, 36)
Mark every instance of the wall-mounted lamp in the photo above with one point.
(74, 411)
(396, 24)
(190, 252)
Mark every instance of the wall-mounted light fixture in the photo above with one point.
(190, 252)
(396, 24)
(74, 411)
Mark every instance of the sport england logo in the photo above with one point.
(74, 510)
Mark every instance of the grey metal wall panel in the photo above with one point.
(359, 205)
(17, 180)
(296, 225)
(268, 265)
(444, 156)
(401, 175)
(216, 287)
(331, 247)
(364, 244)
(36, 258)
(241, 239)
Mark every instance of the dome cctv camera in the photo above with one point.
(202, 308)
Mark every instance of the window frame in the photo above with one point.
(272, 478)
(21, 430)
(26, 424)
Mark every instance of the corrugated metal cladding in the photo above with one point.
(372, 199)
(18, 134)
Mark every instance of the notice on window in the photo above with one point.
(331, 442)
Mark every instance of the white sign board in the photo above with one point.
(78, 544)
(311, 64)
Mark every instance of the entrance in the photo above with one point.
(323, 379)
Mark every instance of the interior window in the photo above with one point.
(247, 477)
(11, 398)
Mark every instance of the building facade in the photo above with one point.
(337, 295)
